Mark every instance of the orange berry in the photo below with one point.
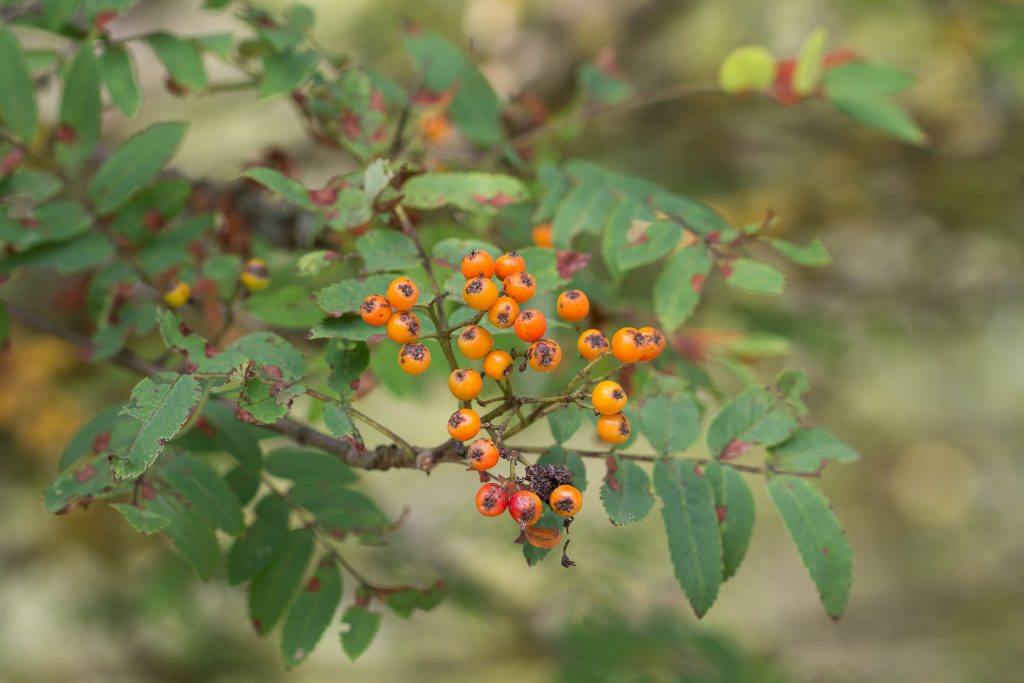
(498, 365)
(465, 385)
(475, 342)
(573, 305)
(520, 286)
(503, 312)
(482, 455)
(544, 355)
(375, 310)
(435, 127)
(627, 345)
(591, 344)
(480, 293)
(509, 264)
(491, 500)
(530, 324)
(613, 428)
(403, 327)
(402, 293)
(525, 507)
(464, 424)
(566, 500)
(608, 397)
(654, 343)
(477, 263)
(542, 235)
(414, 358)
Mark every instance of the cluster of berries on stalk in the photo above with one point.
(393, 310)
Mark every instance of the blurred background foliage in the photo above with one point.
(912, 339)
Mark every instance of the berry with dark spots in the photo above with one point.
(613, 428)
(375, 310)
(509, 264)
(592, 344)
(566, 500)
(608, 397)
(530, 325)
(414, 358)
(544, 355)
(573, 305)
(503, 312)
(403, 327)
(402, 293)
(520, 286)
(525, 507)
(464, 424)
(477, 263)
(491, 500)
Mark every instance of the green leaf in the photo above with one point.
(119, 78)
(68, 257)
(107, 432)
(81, 107)
(883, 116)
(271, 351)
(362, 629)
(285, 306)
(678, 287)
(747, 68)
(38, 185)
(604, 85)
(340, 509)
(474, 108)
(688, 510)
(345, 296)
(286, 72)
(564, 423)
(813, 254)
(404, 602)
(794, 385)
(626, 493)
(755, 276)
(809, 450)
(134, 164)
(236, 438)
(199, 354)
(752, 417)
(734, 506)
(338, 421)
(190, 533)
(182, 59)
(810, 63)
(347, 360)
(162, 406)
(543, 265)
(586, 208)
(861, 78)
(17, 94)
(254, 549)
(300, 464)
(556, 455)
(451, 250)
(311, 614)
(5, 324)
(263, 403)
(142, 520)
(91, 480)
(470, 191)
(272, 590)
(205, 490)
(671, 423)
(244, 482)
(387, 250)
(274, 180)
(816, 532)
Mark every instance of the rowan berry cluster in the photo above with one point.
(393, 310)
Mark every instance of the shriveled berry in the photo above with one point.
(403, 327)
(477, 263)
(414, 358)
(503, 312)
(480, 293)
(591, 344)
(566, 500)
(608, 397)
(627, 344)
(491, 500)
(498, 364)
(573, 305)
(482, 455)
(530, 324)
(475, 342)
(509, 264)
(402, 293)
(375, 310)
(464, 424)
(544, 355)
(520, 286)
(613, 428)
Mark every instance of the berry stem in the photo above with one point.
(363, 417)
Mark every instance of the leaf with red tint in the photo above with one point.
(570, 262)
(734, 449)
(721, 512)
(86, 473)
(101, 443)
(498, 200)
(697, 282)
(611, 467)
(323, 197)
(351, 125)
